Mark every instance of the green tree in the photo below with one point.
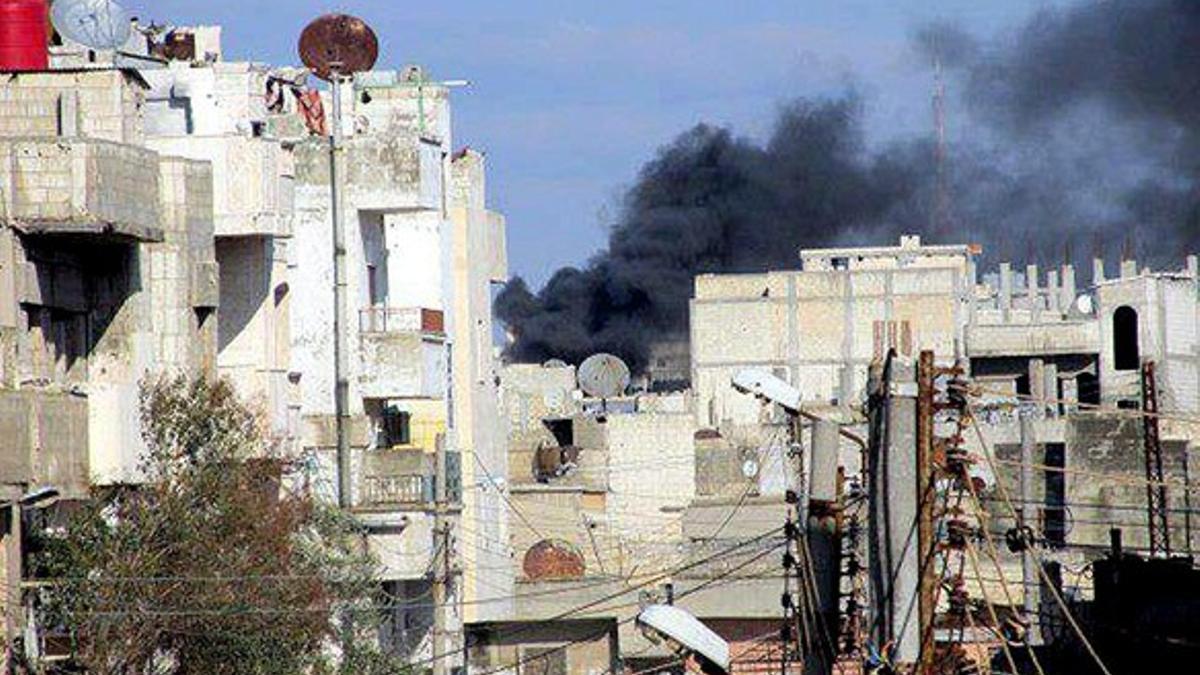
(222, 561)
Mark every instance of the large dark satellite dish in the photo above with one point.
(338, 43)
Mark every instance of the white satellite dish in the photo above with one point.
(1084, 304)
(98, 24)
(687, 632)
(603, 376)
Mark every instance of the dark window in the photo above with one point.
(1089, 389)
(1054, 521)
(840, 263)
(563, 430)
(1023, 385)
(1126, 354)
(544, 661)
(395, 427)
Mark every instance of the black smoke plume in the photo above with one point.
(1085, 138)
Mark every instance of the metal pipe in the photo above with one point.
(341, 377)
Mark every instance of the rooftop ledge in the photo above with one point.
(124, 232)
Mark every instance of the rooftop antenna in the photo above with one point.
(335, 47)
(96, 24)
(941, 197)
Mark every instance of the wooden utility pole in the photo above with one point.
(926, 373)
(441, 562)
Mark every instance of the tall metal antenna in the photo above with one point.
(940, 216)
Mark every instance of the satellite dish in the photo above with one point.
(98, 24)
(603, 376)
(686, 631)
(338, 43)
(555, 363)
(1084, 304)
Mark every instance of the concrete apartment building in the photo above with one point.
(423, 252)
(107, 276)
(608, 500)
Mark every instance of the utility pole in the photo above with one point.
(1156, 489)
(1030, 579)
(925, 505)
(441, 562)
(341, 361)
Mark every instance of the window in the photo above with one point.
(840, 263)
(563, 430)
(395, 427)
(1089, 389)
(544, 661)
(1126, 353)
(1054, 519)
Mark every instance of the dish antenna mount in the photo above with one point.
(603, 376)
(97, 24)
(338, 44)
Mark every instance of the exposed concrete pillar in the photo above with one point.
(1068, 287)
(1037, 379)
(1053, 295)
(1193, 267)
(894, 555)
(1032, 291)
(1097, 271)
(1050, 388)
(1070, 394)
(1029, 576)
(1129, 269)
(1005, 289)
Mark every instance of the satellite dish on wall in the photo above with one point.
(338, 43)
(603, 376)
(98, 24)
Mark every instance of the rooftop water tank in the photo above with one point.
(23, 35)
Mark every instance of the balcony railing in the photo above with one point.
(401, 320)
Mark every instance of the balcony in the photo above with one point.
(80, 187)
(402, 352)
(429, 322)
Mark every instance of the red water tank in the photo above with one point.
(23, 35)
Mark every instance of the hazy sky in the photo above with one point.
(569, 98)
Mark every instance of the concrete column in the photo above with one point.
(1068, 287)
(1193, 267)
(1129, 269)
(1050, 391)
(1053, 295)
(1070, 395)
(894, 556)
(1033, 291)
(1029, 576)
(1037, 379)
(1005, 289)
(1097, 271)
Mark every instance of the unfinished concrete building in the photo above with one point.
(1036, 343)
(216, 111)
(107, 277)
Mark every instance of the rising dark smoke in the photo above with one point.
(1085, 137)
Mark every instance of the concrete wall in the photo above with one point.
(98, 104)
